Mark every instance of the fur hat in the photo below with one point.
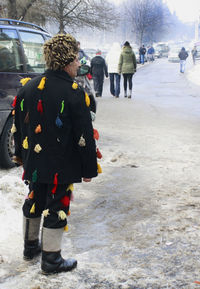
(59, 51)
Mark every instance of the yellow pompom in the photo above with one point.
(13, 128)
(23, 81)
(46, 213)
(66, 228)
(87, 99)
(32, 210)
(75, 85)
(99, 169)
(62, 215)
(42, 83)
(70, 187)
(25, 143)
(37, 148)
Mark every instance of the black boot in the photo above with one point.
(31, 228)
(52, 262)
(31, 249)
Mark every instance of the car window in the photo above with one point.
(33, 43)
(10, 57)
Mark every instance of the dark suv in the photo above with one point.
(20, 56)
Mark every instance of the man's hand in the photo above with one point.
(87, 180)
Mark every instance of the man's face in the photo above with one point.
(73, 67)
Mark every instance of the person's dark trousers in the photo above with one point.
(98, 84)
(128, 79)
(114, 84)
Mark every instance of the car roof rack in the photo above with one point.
(18, 22)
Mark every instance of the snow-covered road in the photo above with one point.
(136, 226)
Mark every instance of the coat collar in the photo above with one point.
(59, 73)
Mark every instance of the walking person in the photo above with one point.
(112, 60)
(142, 52)
(194, 54)
(183, 55)
(98, 70)
(54, 142)
(127, 66)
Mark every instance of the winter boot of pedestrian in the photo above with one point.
(52, 261)
(125, 93)
(130, 92)
(31, 228)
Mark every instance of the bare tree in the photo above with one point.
(147, 18)
(81, 13)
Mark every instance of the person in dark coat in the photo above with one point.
(142, 52)
(183, 55)
(98, 70)
(194, 54)
(54, 142)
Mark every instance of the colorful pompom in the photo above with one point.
(46, 213)
(87, 99)
(31, 195)
(62, 215)
(95, 134)
(99, 169)
(13, 112)
(39, 106)
(65, 201)
(75, 85)
(38, 129)
(69, 213)
(32, 210)
(25, 143)
(82, 142)
(70, 188)
(13, 128)
(26, 119)
(99, 155)
(59, 122)
(42, 83)
(23, 81)
(37, 148)
(14, 101)
(23, 175)
(66, 228)
(22, 105)
(34, 176)
(55, 182)
(62, 106)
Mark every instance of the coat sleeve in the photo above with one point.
(120, 63)
(105, 69)
(83, 135)
(134, 61)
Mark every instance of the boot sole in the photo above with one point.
(57, 271)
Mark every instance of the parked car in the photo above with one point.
(162, 49)
(173, 54)
(20, 56)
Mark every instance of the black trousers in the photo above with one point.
(98, 83)
(41, 198)
(128, 78)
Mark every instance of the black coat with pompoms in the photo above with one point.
(53, 130)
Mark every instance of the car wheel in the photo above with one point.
(7, 146)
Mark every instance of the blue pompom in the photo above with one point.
(59, 122)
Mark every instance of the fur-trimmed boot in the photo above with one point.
(130, 93)
(31, 229)
(52, 261)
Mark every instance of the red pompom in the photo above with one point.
(65, 201)
(14, 101)
(39, 106)
(99, 155)
(55, 182)
(95, 134)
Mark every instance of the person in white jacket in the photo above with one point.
(112, 60)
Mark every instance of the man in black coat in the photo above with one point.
(98, 69)
(54, 142)
(183, 55)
